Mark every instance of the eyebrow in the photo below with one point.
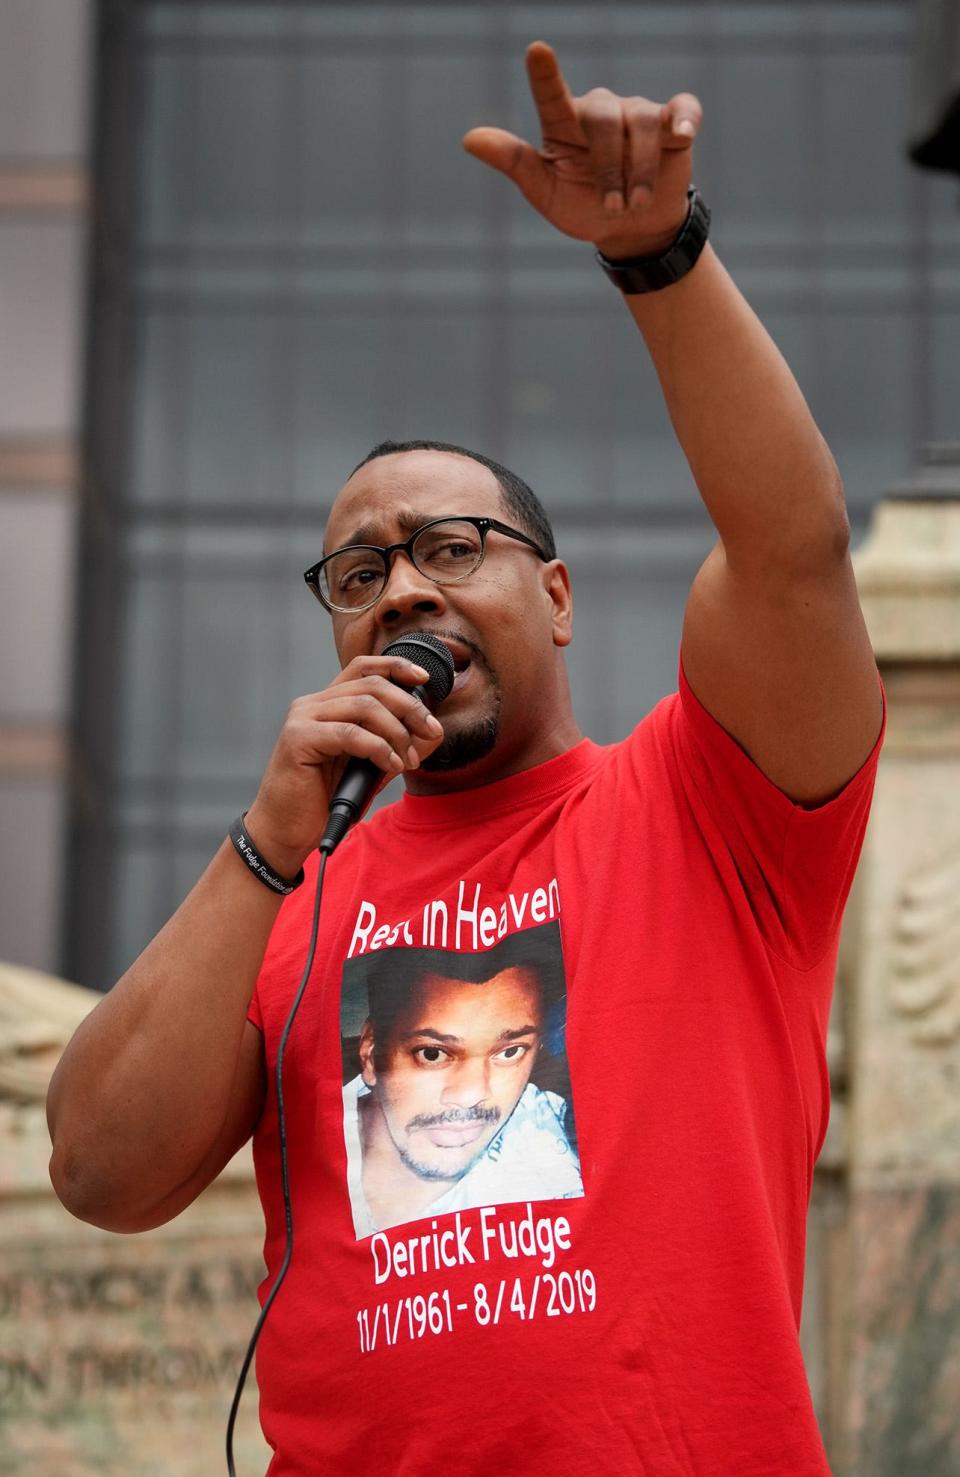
(453, 1040)
(366, 533)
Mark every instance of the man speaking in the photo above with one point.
(697, 872)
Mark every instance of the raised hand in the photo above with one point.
(612, 170)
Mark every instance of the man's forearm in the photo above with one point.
(142, 1089)
(764, 471)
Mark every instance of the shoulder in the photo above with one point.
(649, 755)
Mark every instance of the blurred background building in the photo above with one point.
(240, 243)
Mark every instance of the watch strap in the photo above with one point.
(650, 273)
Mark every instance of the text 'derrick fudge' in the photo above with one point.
(543, 1288)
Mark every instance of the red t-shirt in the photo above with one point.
(645, 1319)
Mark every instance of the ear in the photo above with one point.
(557, 588)
(367, 1070)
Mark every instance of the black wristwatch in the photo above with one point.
(650, 273)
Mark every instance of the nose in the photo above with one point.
(407, 591)
(468, 1084)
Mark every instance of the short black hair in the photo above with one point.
(519, 499)
(394, 976)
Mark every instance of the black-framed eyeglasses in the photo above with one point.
(446, 550)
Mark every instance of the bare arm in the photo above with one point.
(164, 1080)
(774, 641)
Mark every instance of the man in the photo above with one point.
(443, 1115)
(698, 870)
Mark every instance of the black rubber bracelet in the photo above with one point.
(258, 866)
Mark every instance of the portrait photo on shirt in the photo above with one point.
(456, 1086)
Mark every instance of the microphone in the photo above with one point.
(361, 776)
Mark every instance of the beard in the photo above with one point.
(429, 1172)
(464, 746)
(435, 1172)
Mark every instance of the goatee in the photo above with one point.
(464, 746)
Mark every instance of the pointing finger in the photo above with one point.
(550, 91)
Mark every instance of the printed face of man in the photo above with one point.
(457, 1059)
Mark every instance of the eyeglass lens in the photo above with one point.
(444, 552)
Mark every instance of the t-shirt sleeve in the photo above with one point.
(796, 864)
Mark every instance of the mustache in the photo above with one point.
(454, 1116)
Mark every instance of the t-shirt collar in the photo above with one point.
(528, 787)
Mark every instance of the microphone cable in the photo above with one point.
(430, 653)
(284, 1168)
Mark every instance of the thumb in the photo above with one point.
(513, 156)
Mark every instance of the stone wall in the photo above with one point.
(899, 1315)
(119, 1355)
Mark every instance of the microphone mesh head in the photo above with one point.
(428, 652)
